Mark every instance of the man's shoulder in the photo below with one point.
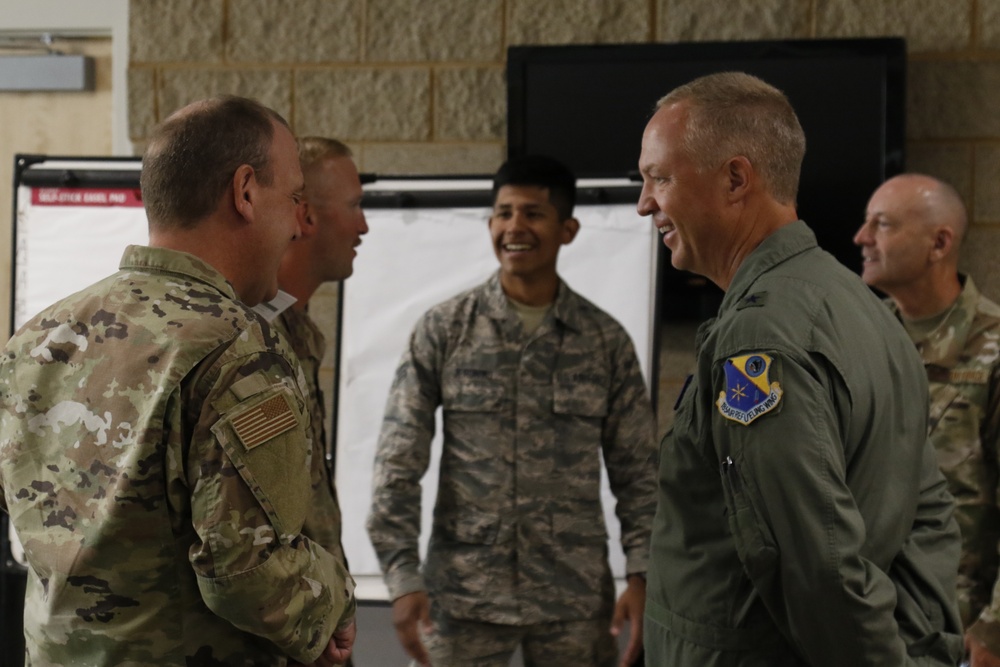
(588, 317)
(988, 311)
(815, 310)
(466, 301)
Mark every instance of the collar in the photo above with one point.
(566, 308)
(181, 264)
(783, 244)
(944, 345)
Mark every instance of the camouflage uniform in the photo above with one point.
(154, 459)
(323, 523)
(813, 528)
(962, 358)
(518, 533)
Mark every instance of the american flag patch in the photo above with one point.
(264, 421)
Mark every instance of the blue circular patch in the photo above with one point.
(755, 366)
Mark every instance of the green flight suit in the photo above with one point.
(802, 519)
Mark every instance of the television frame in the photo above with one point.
(692, 296)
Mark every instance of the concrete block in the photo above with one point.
(272, 88)
(949, 161)
(927, 25)
(953, 100)
(175, 31)
(364, 103)
(443, 30)
(431, 159)
(987, 184)
(988, 24)
(707, 20)
(141, 101)
(470, 103)
(293, 31)
(979, 259)
(578, 21)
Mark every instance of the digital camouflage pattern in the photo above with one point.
(820, 533)
(962, 359)
(518, 532)
(458, 643)
(154, 459)
(324, 521)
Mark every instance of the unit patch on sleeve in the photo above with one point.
(748, 393)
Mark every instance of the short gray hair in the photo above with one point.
(733, 113)
(192, 156)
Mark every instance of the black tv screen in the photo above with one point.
(588, 105)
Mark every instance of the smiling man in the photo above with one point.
(801, 518)
(910, 243)
(537, 385)
(332, 223)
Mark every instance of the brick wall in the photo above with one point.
(417, 86)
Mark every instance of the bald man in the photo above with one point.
(910, 242)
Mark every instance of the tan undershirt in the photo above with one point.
(531, 316)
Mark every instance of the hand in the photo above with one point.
(979, 655)
(630, 608)
(407, 612)
(337, 650)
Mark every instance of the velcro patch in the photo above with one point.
(969, 376)
(748, 393)
(268, 419)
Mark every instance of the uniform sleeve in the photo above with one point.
(987, 628)
(248, 471)
(401, 459)
(798, 530)
(630, 455)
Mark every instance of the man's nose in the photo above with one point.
(647, 203)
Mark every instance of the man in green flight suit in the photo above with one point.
(801, 517)
(910, 243)
(154, 440)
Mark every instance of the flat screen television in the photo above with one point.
(588, 105)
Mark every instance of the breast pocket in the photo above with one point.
(471, 390)
(954, 425)
(580, 394)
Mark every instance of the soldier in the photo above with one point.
(536, 384)
(910, 243)
(802, 519)
(154, 446)
(332, 224)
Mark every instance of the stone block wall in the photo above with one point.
(417, 86)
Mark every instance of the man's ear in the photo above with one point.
(570, 226)
(944, 243)
(738, 173)
(306, 219)
(245, 190)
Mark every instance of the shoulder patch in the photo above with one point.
(748, 393)
(267, 419)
